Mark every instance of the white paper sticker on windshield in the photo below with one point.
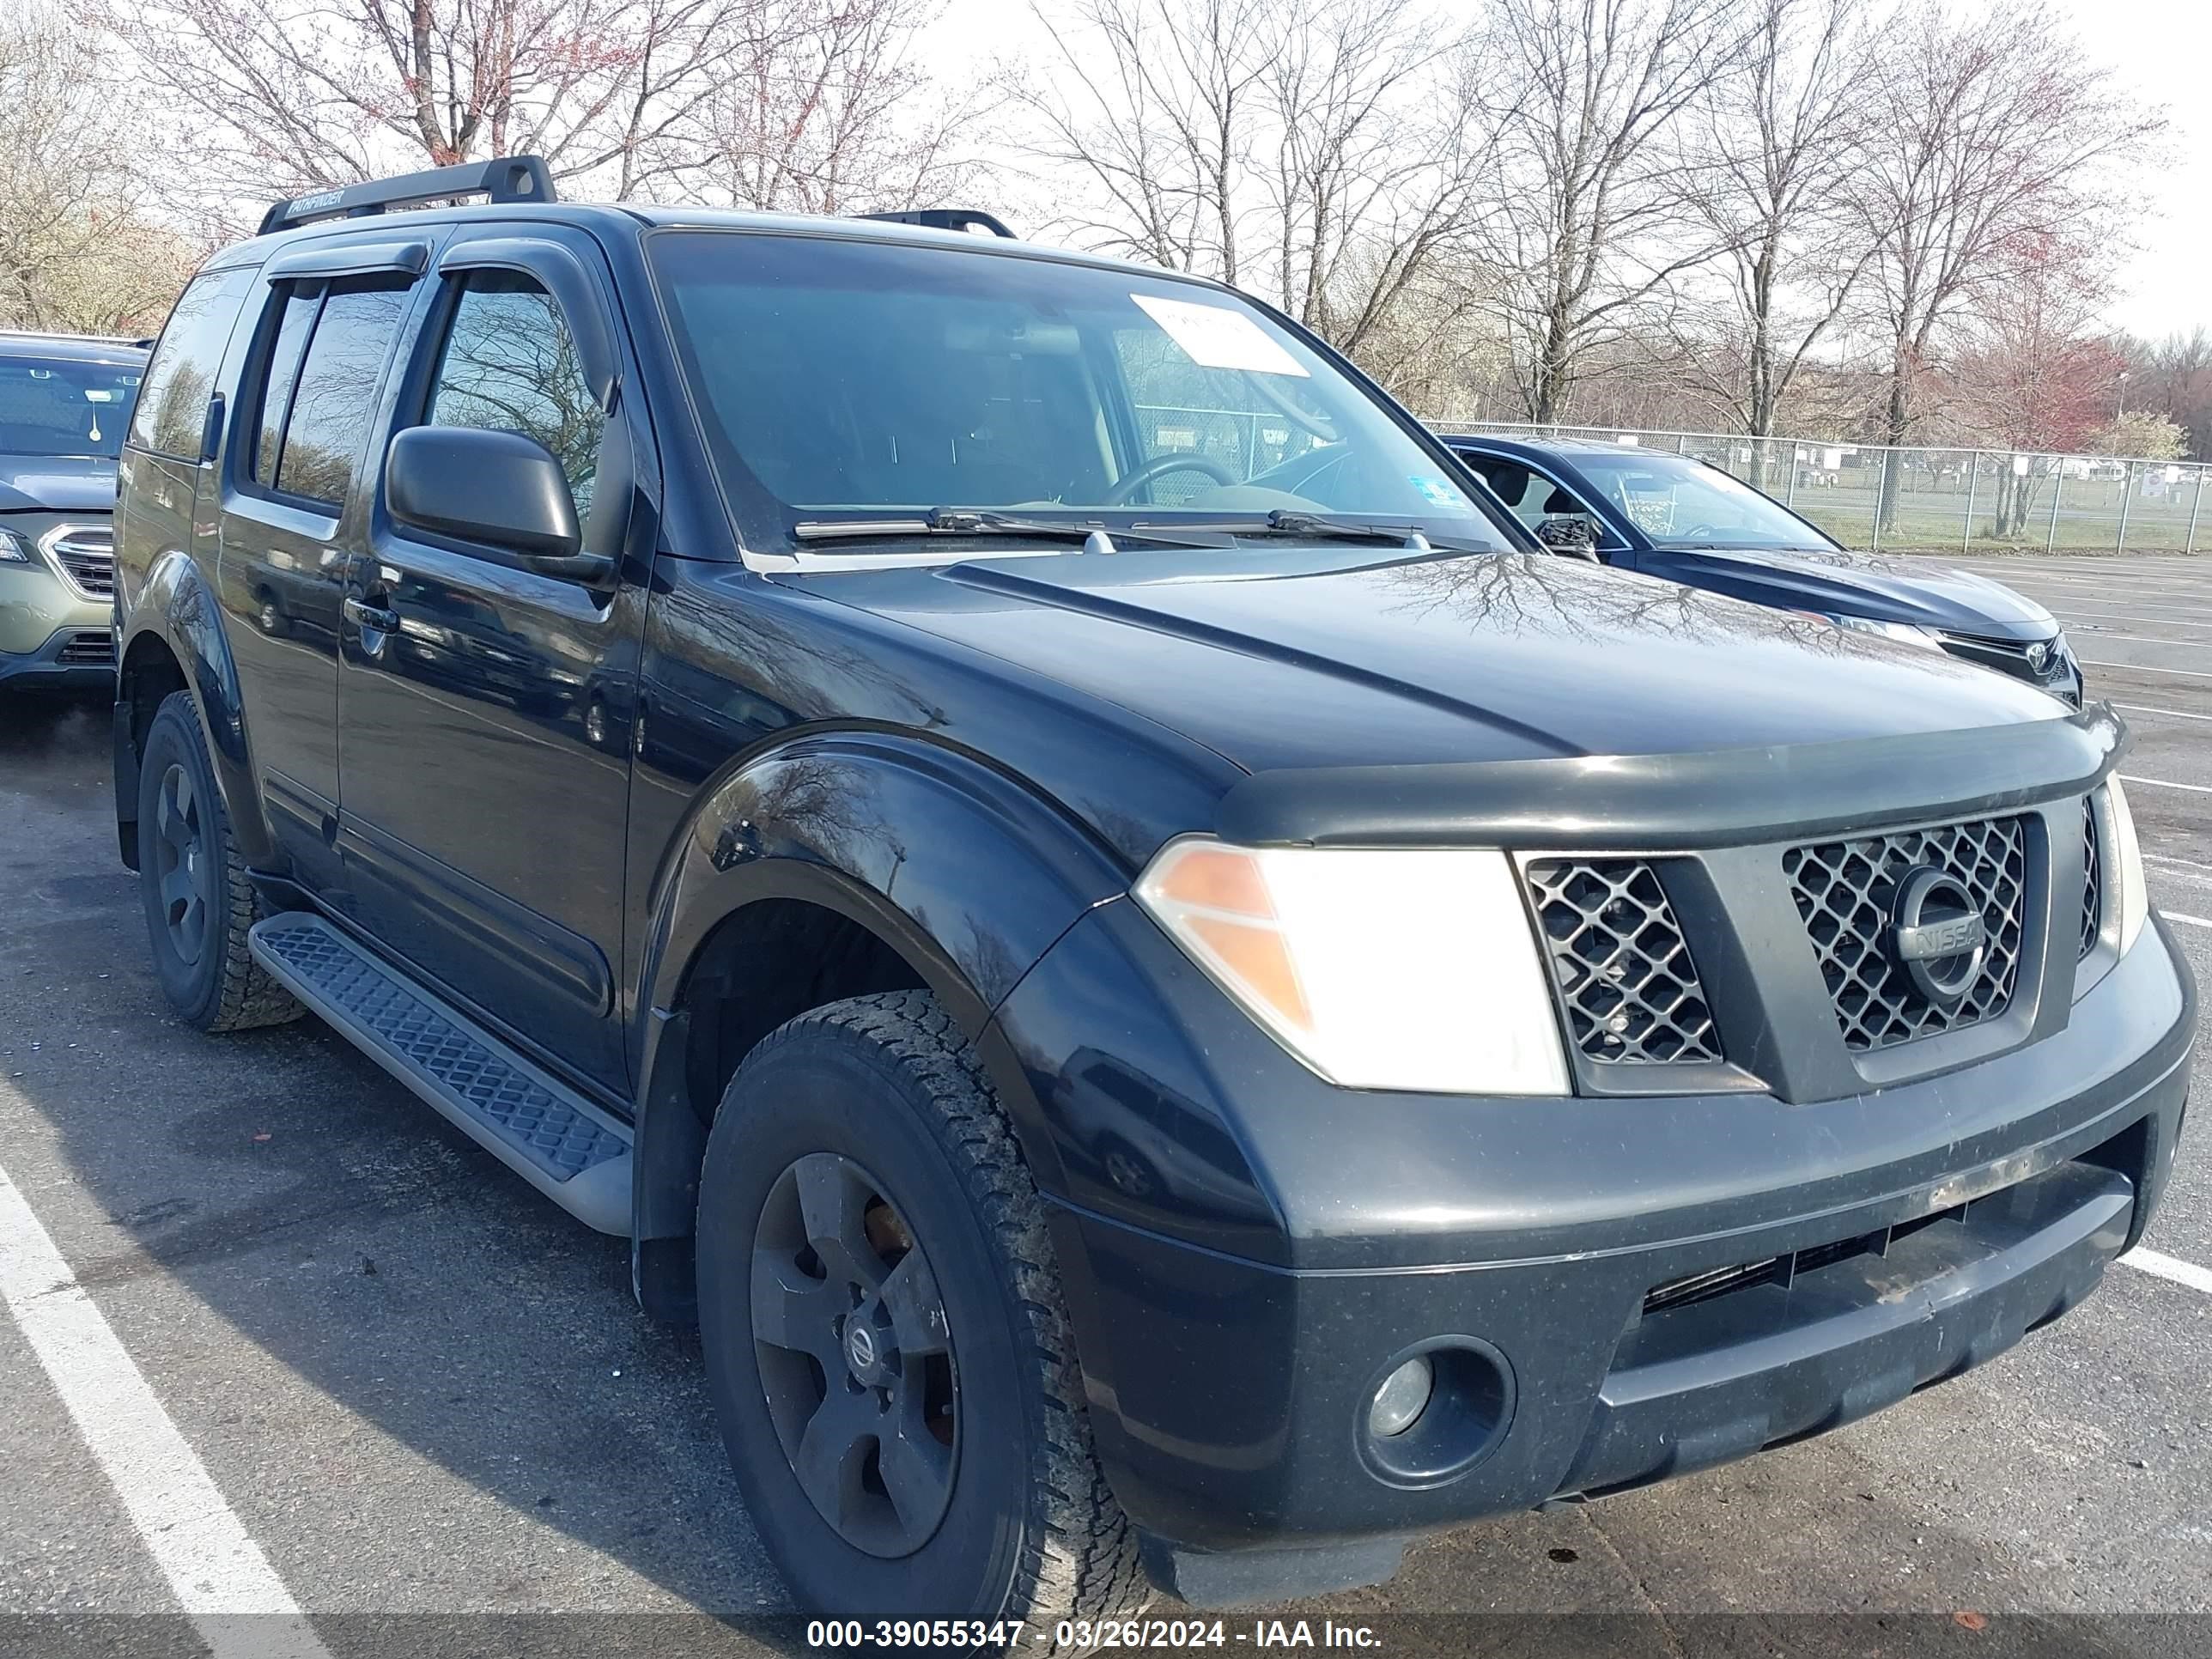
(1215, 337)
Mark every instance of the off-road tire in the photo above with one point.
(1032, 1531)
(222, 989)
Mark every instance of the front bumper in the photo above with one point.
(70, 659)
(1236, 1312)
(52, 636)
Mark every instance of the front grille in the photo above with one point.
(2092, 877)
(1619, 963)
(87, 556)
(87, 648)
(1784, 1270)
(1844, 891)
(2011, 657)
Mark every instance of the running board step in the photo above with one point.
(545, 1130)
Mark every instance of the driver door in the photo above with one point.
(484, 700)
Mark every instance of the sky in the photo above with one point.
(2161, 49)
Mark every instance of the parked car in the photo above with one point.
(1179, 1012)
(63, 401)
(1685, 520)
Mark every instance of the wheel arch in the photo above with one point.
(835, 864)
(175, 641)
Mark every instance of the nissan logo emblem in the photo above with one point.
(860, 1346)
(1937, 936)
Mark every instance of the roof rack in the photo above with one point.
(509, 178)
(946, 219)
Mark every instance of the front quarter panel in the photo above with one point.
(174, 604)
(968, 874)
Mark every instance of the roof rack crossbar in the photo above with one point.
(946, 219)
(509, 178)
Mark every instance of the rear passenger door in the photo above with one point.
(292, 510)
(485, 704)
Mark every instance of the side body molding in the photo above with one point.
(968, 875)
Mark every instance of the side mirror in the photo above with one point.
(1569, 533)
(500, 488)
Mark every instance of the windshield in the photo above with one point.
(55, 406)
(1680, 503)
(843, 381)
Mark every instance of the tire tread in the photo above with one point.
(245, 996)
(1082, 1563)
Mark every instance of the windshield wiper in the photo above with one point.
(1329, 527)
(972, 521)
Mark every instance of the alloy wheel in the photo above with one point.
(182, 863)
(855, 1355)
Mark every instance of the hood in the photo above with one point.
(1279, 658)
(56, 484)
(1857, 585)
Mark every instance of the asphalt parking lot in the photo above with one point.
(426, 1408)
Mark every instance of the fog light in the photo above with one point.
(1404, 1395)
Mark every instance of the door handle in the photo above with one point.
(369, 617)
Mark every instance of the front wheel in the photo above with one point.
(200, 904)
(885, 1338)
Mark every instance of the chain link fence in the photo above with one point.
(1944, 501)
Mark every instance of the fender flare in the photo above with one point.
(967, 873)
(176, 604)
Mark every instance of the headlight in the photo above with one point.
(2127, 865)
(13, 548)
(1904, 633)
(1379, 968)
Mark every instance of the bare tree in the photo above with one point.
(1588, 200)
(2031, 370)
(292, 94)
(78, 252)
(1156, 111)
(1315, 153)
(1988, 133)
(828, 113)
(1778, 141)
(2173, 376)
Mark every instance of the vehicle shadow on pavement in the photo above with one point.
(431, 1399)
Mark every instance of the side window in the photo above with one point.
(171, 413)
(335, 396)
(285, 352)
(509, 364)
(1530, 496)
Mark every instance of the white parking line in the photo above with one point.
(2163, 783)
(2168, 713)
(2147, 639)
(2142, 668)
(218, 1573)
(2168, 1267)
(2187, 920)
(2094, 626)
(2189, 865)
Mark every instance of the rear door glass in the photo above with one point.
(334, 399)
(285, 353)
(171, 413)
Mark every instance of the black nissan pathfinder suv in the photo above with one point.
(1181, 1004)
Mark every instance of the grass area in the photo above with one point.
(2088, 520)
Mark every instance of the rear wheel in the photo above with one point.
(200, 904)
(885, 1338)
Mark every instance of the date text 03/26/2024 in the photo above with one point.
(1082, 1635)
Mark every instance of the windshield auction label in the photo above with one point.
(1216, 337)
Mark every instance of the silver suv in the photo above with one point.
(64, 400)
